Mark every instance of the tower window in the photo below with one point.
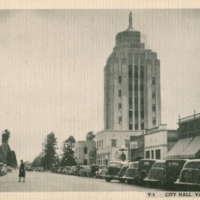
(130, 114)
(153, 81)
(142, 100)
(120, 79)
(154, 121)
(142, 126)
(119, 106)
(113, 143)
(136, 113)
(119, 93)
(130, 126)
(141, 87)
(120, 120)
(142, 114)
(154, 107)
(136, 126)
(153, 95)
(130, 100)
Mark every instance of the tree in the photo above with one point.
(68, 152)
(37, 162)
(5, 136)
(49, 151)
(90, 136)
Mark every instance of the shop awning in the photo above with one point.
(192, 149)
(178, 148)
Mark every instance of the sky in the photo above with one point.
(51, 69)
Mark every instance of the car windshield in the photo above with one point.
(193, 165)
(159, 165)
(173, 164)
(115, 164)
(134, 165)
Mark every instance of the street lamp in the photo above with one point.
(123, 156)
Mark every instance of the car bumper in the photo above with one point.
(151, 180)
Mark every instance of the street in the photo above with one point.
(50, 182)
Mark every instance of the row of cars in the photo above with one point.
(79, 170)
(175, 174)
(4, 169)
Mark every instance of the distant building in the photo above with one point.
(188, 145)
(158, 141)
(132, 101)
(82, 152)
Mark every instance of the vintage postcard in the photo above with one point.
(99, 100)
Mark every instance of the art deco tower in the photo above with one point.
(131, 84)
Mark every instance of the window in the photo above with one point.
(136, 113)
(153, 107)
(130, 126)
(136, 100)
(114, 143)
(158, 154)
(130, 100)
(127, 143)
(85, 150)
(154, 121)
(120, 120)
(142, 114)
(130, 93)
(130, 87)
(142, 100)
(119, 93)
(153, 95)
(130, 113)
(136, 126)
(141, 87)
(120, 79)
(152, 154)
(142, 126)
(119, 106)
(85, 161)
(147, 154)
(136, 87)
(153, 81)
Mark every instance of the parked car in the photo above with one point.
(113, 169)
(29, 168)
(165, 173)
(122, 172)
(2, 172)
(102, 170)
(83, 170)
(156, 173)
(190, 176)
(131, 173)
(92, 170)
(143, 170)
(9, 169)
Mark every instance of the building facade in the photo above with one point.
(158, 141)
(109, 143)
(131, 84)
(82, 152)
(189, 138)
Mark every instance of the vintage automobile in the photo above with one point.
(122, 172)
(190, 176)
(29, 168)
(165, 172)
(143, 170)
(9, 169)
(156, 173)
(102, 170)
(113, 169)
(83, 170)
(131, 173)
(92, 170)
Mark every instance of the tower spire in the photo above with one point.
(130, 21)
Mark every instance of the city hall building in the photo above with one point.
(132, 101)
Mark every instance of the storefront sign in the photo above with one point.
(134, 145)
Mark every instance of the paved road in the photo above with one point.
(50, 182)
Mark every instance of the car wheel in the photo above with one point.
(121, 180)
(108, 179)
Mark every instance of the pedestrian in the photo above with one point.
(22, 171)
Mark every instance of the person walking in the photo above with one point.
(22, 171)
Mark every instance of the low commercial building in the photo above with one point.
(137, 147)
(189, 138)
(109, 143)
(158, 141)
(83, 151)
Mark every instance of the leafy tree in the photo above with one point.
(90, 136)
(49, 151)
(37, 162)
(68, 152)
(5, 136)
